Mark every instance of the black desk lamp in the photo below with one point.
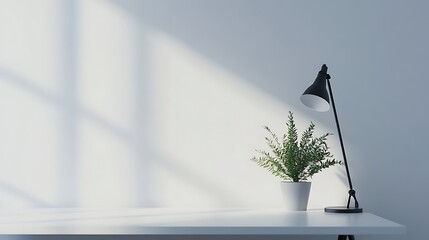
(316, 97)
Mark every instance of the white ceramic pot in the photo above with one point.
(295, 195)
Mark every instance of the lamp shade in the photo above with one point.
(316, 96)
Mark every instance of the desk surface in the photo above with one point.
(192, 221)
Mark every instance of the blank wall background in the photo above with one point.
(107, 103)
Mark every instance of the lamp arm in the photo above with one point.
(352, 192)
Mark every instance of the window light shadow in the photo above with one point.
(140, 136)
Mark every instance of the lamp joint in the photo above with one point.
(328, 76)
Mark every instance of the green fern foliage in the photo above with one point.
(295, 159)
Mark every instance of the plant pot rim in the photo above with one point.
(286, 181)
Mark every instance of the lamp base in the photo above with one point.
(343, 210)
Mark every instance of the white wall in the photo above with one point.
(108, 103)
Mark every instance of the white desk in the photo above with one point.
(190, 222)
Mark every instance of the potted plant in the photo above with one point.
(295, 161)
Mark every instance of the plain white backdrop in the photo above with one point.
(108, 103)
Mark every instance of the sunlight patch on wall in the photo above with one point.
(29, 94)
(107, 70)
